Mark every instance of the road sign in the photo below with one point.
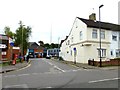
(3, 46)
(12, 44)
(74, 49)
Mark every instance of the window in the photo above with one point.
(68, 42)
(102, 34)
(117, 53)
(94, 33)
(54, 50)
(81, 35)
(111, 53)
(103, 52)
(51, 50)
(114, 38)
(71, 52)
(72, 38)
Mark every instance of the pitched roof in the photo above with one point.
(104, 25)
(33, 45)
(63, 41)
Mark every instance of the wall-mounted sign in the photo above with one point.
(74, 49)
(3, 46)
(3, 53)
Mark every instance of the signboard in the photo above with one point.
(3, 46)
(75, 51)
(4, 53)
(16, 47)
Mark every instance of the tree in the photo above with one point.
(52, 45)
(8, 32)
(22, 36)
(41, 43)
(47, 45)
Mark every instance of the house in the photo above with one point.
(53, 52)
(34, 50)
(83, 41)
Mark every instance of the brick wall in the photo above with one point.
(112, 62)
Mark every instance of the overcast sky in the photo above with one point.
(57, 16)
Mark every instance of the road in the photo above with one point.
(46, 73)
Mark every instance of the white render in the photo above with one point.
(115, 45)
(87, 47)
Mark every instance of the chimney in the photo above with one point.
(92, 16)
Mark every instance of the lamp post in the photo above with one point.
(58, 47)
(22, 40)
(100, 34)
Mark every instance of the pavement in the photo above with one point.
(17, 66)
(86, 66)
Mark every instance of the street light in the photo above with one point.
(22, 39)
(100, 34)
(58, 47)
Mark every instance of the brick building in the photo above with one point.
(6, 50)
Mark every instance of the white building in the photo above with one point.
(115, 44)
(83, 40)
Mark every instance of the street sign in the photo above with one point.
(3, 46)
(12, 44)
(74, 49)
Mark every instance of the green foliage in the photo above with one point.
(22, 36)
(47, 45)
(41, 43)
(8, 32)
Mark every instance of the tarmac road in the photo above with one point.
(45, 73)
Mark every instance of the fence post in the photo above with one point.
(93, 62)
(89, 62)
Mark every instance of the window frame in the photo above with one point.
(114, 39)
(94, 34)
(102, 34)
(81, 35)
(103, 52)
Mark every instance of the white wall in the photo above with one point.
(84, 53)
(114, 44)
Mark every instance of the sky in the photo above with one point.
(53, 16)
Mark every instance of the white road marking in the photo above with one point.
(103, 80)
(50, 63)
(23, 74)
(17, 86)
(55, 66)
(48, 87)
(10, 76)
(35, 73)
(59, 68)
